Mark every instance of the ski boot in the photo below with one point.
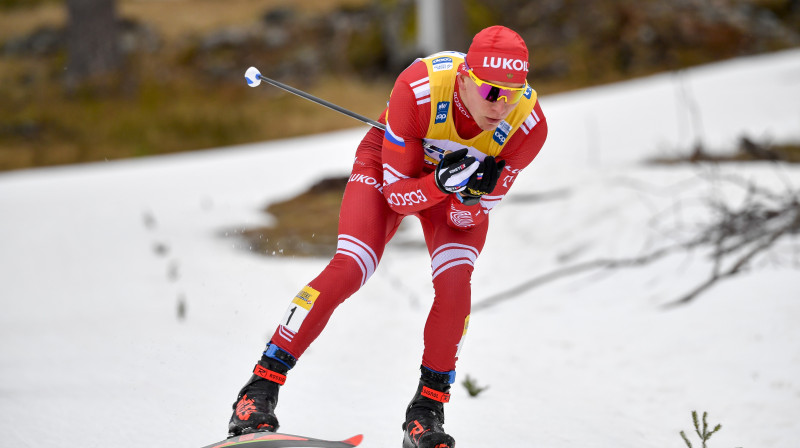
(423, 427)
(254, 409)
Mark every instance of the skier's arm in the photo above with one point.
(520, 151)
(408, 186)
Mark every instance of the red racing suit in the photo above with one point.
(392, 177)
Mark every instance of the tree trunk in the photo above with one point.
(455, 37)
(92, 41)
(441, 25)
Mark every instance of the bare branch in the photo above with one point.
(739, 234)
(734, 269)
(573, 270)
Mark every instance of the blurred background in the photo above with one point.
(93, 80)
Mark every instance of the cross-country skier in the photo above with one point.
(485, 125)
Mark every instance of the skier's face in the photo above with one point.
(487, 114)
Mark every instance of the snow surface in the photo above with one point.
(95, 259)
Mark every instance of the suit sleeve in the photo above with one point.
(408, 184)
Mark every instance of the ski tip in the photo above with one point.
(355, 440)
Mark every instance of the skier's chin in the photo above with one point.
(489, 124)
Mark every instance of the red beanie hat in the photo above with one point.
(498, 54)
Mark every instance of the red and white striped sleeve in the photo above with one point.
(519, 152)
(408, 184)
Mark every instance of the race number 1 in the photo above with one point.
(299, 308)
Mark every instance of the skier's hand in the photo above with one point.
(454, 171)
(482, 181)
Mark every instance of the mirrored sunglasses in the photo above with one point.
(492, 92)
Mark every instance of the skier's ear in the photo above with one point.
(461, 79)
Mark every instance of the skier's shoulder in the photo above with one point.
(414, 75)
(409, 105)
(418, 71)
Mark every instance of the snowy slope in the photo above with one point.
(92, 352)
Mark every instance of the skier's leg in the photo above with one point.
(453, 254)
(365, 225)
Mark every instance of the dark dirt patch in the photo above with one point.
(305, 225)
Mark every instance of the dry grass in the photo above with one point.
(170, 117)
(748, 151)
(171, 18)
(174, 18)
(160, 106)
(18, 21)
(41, 125)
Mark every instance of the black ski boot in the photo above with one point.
(254, 409)
(423, 427)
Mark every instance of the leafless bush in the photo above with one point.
(732, 239)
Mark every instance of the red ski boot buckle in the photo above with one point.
(435, 395)
(267, 374)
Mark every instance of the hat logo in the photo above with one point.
(510, 75)
(505, 63)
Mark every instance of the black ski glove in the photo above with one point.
(482, 181)
(454, 171)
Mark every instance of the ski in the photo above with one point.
(277, 440)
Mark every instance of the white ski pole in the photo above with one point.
(254, 77)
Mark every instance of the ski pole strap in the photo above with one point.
(267, 374)
(435, 395)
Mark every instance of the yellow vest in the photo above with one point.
(442, 69)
